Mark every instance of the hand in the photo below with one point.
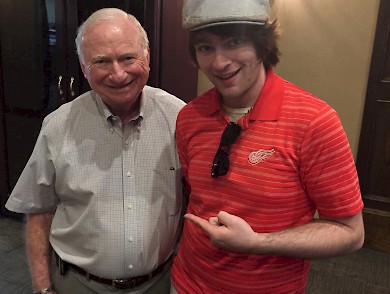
(227, 231)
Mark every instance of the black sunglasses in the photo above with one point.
(220, 164)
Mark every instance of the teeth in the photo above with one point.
(230, 75)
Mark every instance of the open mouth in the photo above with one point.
(228, 76)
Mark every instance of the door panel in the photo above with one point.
(378, 173)
(373, 159)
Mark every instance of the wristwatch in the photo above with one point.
(44, 291)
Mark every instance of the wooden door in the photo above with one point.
(26, 92)
(373, 159)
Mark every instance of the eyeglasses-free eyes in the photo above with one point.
(220, 164)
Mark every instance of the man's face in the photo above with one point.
(115, 63)
(232, 65)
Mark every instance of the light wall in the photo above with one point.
(326, 49)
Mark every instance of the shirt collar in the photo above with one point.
(213, 101)
(107, 114)
(268, 104)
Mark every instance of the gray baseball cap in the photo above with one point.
(199, 14)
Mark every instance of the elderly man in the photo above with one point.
(103, 184)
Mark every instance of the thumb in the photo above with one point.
(224, 218)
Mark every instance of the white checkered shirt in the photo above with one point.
(117, 194)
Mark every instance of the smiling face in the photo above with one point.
(232, 65)
(116, 64)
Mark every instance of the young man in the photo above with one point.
(103, 185)
(259, 156)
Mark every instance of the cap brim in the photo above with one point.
(204, 26)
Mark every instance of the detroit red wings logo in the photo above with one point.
(260, 155)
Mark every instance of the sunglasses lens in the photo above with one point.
(220, 165)
(230, 134)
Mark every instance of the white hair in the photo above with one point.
(106, 15)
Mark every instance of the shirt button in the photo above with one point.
(131, 239)
(128, 174)
(130, 266)
(130, 206)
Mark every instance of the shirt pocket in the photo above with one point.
(163, 188)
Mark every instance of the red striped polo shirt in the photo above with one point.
(291, 158)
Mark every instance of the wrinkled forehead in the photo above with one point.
(108, 28)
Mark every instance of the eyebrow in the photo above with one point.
(102, 56)
(97, 57)
(201, 39)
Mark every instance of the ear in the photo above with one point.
(84, 68)
(148, 55)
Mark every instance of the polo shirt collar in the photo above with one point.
(268, 104)
(214, 101)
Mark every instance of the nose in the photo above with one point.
(117, 72)
(220, 60)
